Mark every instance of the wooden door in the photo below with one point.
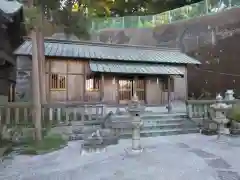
(125, 90)
(140, 89)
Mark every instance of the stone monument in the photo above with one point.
(135, 109)
(219, 116)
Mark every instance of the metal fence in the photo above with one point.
(206, 7)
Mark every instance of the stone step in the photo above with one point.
(152, 116)
(163, 126)
(166, 121)
(169, 132)
(163, 116)
(152, 133)
(169, 124)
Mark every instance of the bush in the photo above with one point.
(234, 113)
(48, 144)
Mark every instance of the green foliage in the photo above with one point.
(63, 18)
(32, 17)
(147, 7)
(234, 113)
(48, 144)
(9, 135)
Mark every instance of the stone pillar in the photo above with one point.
(135, 109)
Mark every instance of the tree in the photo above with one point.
(59, 14)
(146, 7)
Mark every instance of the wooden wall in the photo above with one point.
(73, 71)
(156, 95)
(76, 71)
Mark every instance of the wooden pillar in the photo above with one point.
(102, 88)
(35, 87)
(117, 90)
(84, 81)
(67, 76)
(49, 80)
(135, 86)
(169, 95)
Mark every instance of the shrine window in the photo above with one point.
(58, 82)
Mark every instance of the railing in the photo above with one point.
(200, 109)
(202, 8)
(20, 114)
(12, 114)
(64, 113)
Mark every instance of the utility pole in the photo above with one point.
(36, 87)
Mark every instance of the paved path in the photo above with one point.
(183, 157)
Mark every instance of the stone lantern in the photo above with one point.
(229, 95)
(219, 115)
(135, 109)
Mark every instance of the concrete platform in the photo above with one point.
(182, 157)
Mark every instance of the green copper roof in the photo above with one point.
(133, 68)
(90, 50)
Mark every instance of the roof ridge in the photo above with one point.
(89, 43)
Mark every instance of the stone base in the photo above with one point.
(86, 151)
(133, 152)
(223, 138)
(225, 131)
(209, 132)
(235, 131)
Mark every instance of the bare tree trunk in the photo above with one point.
(36, 88)
(41, 53)
(39, 62)
(41, 59)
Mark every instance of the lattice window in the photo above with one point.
(58, 82)
(93, 84)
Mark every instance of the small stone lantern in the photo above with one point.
(135, 109)
(219, 116)
(229, 95)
